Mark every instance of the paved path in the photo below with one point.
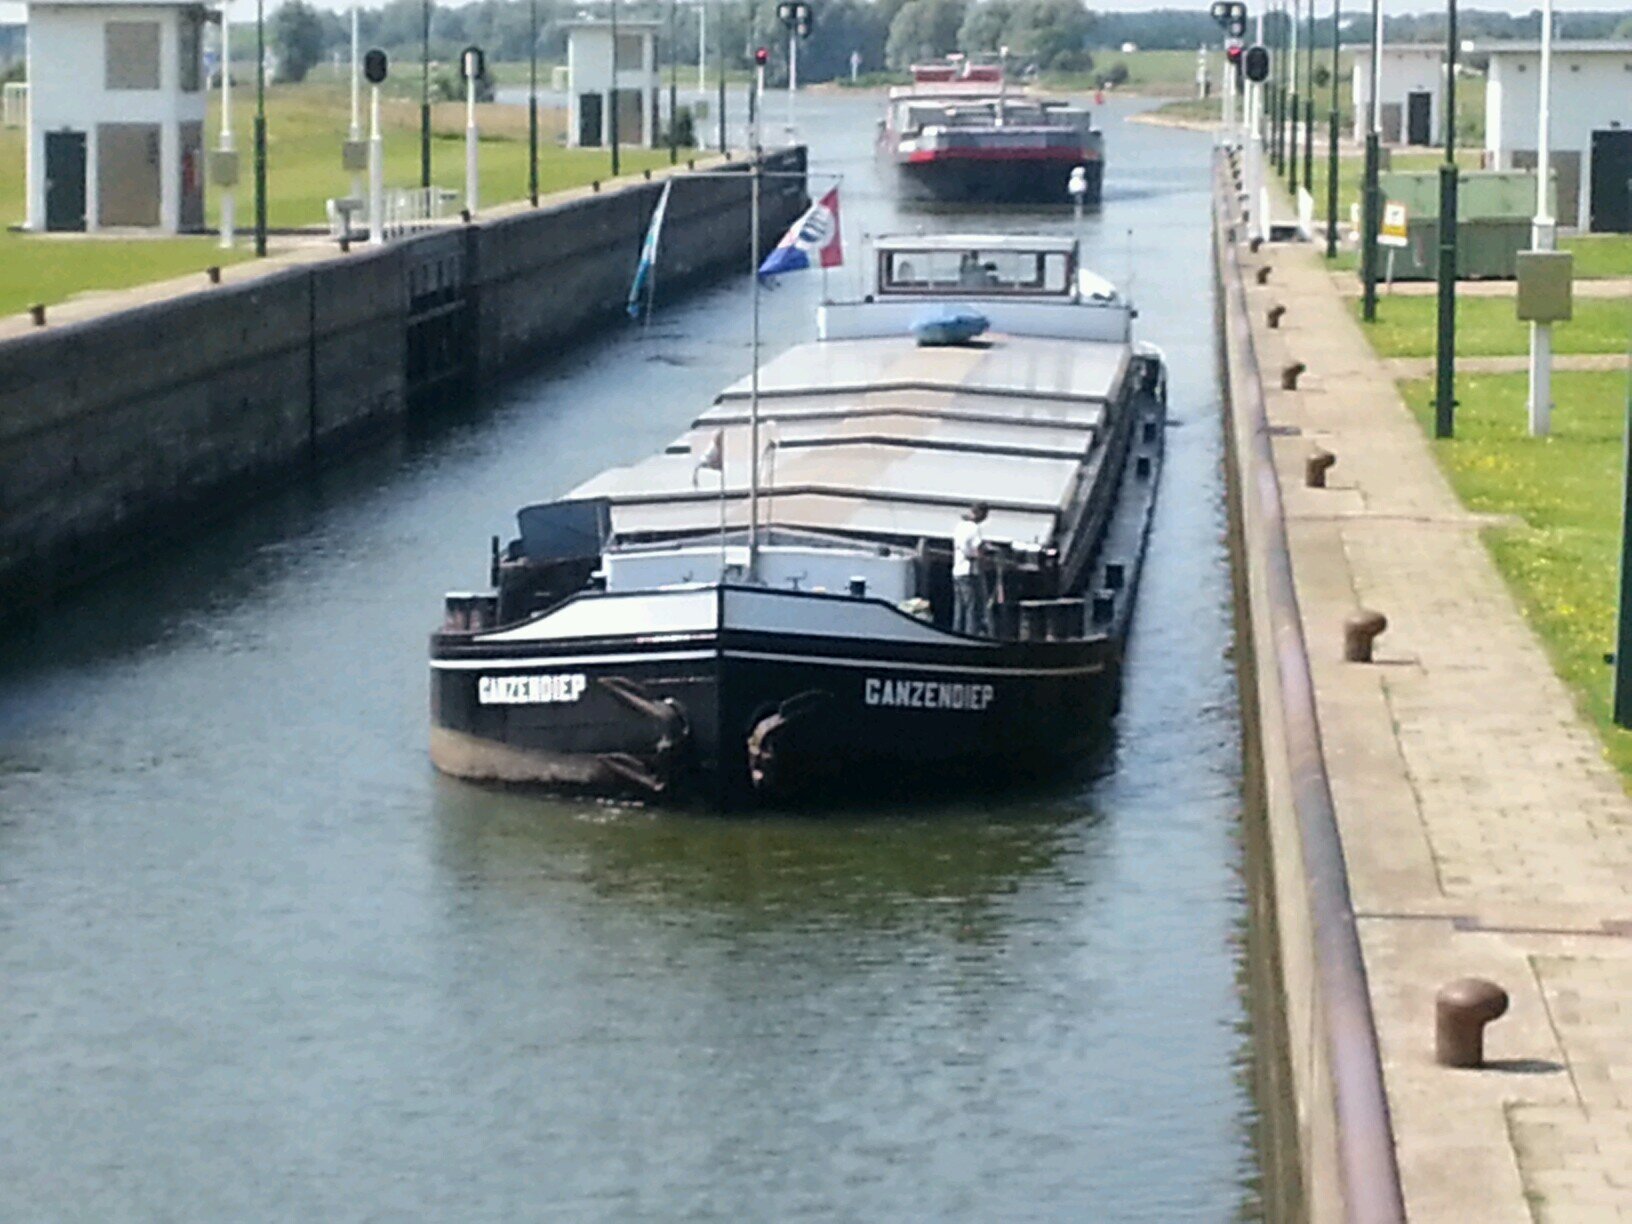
(1485, 832)
(1423, 367)
(1348, 284)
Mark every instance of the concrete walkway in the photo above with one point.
(1348, 284)
(1484, 831)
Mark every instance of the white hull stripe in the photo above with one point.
(693, 656)
(656, 656)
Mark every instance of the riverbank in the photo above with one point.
(1483, 833)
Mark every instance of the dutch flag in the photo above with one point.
(812, 241)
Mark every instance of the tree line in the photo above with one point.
(878, 35)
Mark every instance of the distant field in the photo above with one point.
(305, 127)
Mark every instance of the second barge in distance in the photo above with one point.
(703, 628)
(959, 135)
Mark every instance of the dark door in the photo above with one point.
(1611, 202)
(65, 180)
(1419, 107)
(589, 120)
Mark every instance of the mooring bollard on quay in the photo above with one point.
(1462, 1009)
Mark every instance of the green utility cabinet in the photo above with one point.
(1493, 209)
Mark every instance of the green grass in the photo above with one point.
(1489, 327)
(1600, 255)
(1561, 559)
(305, 127)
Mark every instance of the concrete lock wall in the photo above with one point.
(143, 422)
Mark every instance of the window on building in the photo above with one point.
(187, 51)
(132, 51)
(630, 53)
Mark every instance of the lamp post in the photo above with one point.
(1331, 159)
(532, 102)
(473, 64)
(1371, 207)
(1276, 90)
(354, 132)
(1309, 103)
(612, 119)
(720, 70)
(425, 96)
(1445, 350)
(228, 189)
(1542, 234)
(260, 127)
(674, 88)
(1293, 109)
(1622, 700)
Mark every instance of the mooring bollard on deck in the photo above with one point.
(1290, 372)
(1462, 1009)
(1315, 465)
(1359, 631)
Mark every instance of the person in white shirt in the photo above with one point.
(969, 612)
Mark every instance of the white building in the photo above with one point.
(1413, 94)
(116, 115)
(1591, 126)
(592, 84)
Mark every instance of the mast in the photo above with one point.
(753, 378)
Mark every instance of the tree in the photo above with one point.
(297, 39)
(983, 27)
(1049, 33)
(924, 30)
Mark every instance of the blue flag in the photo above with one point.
(645, 280)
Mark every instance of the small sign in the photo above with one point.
(1393, 233)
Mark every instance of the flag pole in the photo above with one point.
(753, 378)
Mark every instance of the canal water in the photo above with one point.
(260, 962)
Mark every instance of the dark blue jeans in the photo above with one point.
(969, 606)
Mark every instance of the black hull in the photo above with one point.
(746, 718)
(1020, 181)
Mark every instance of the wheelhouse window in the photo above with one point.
(1031, 273)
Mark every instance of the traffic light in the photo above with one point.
(797, 16)
(1257, 63)
(1232, 15)
(1232, 52)
(761, 56)
(806, 19)
(374, 66)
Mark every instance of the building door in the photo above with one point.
(65, 180)
(127, 173)
(191, 167)
(589, 121)
(1611, 201)
(1419, 109)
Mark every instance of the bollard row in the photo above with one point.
(1362, 628)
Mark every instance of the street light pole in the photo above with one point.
(425, 96)
(674, 87)
(229, 191)
(260, 127)
(355, 132)
(1331, 159)
(1542, 234)
(720, 71)
(1445, 352)
(1309, 105)
(612, 124)
(1622, 699)
(1372, 205)
(1277, 92)
(532, 102)
(1293, 109)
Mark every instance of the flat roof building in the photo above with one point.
(1590, 130)
(596, 84)
(117, 97)
(1413, 94)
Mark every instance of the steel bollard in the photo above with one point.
(1315, 466)
(1263, 274)
(214, 273)
(1274, 315)
(1462, 1009)
(1255, 244)
(1289, 375)
(1359, 631)
(37, 313)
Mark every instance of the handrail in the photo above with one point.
(1365, 1133)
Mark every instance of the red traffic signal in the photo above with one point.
(761, 56)
(1233, 53)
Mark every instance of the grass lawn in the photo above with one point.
(1599, 255)
(1562, 561)
(305, 126)
(1488, 327)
